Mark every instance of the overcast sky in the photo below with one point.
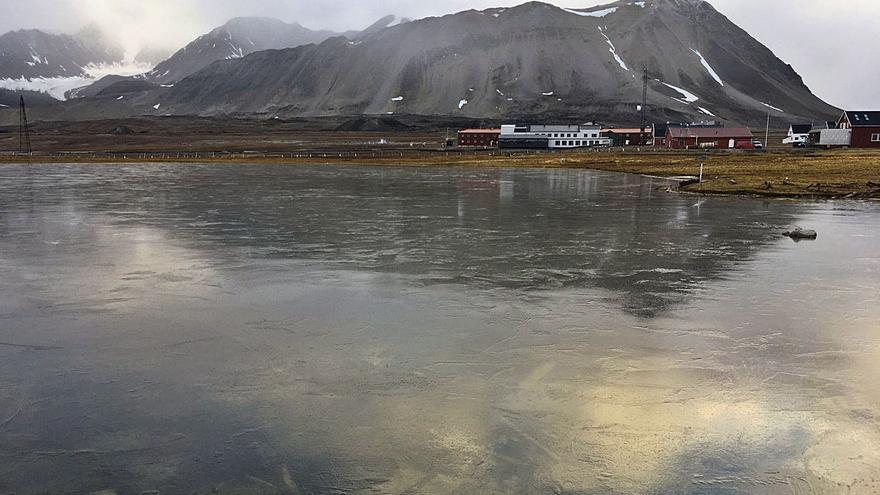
(831, 43)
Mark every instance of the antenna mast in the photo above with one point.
(24, 134)
(644, 105)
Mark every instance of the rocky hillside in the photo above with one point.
(533, 62)
(236, 39)
(30, 54)
(534, 59)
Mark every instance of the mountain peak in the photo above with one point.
(239, 37)
(257, 22)
(385, 22)
(31, 54)
(576, 63)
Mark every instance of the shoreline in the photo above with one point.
(839, 174)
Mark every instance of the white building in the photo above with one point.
(798, 135)
(552, 136)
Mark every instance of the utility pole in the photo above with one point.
(767, 131)
(24, 134)
(644, 104)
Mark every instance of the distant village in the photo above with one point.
(854, 129)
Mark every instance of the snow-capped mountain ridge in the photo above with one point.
(235, 39)
(30, 54)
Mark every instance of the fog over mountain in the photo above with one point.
(820, 38)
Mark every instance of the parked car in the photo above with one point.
(758, 145)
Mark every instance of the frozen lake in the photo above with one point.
(277, 329)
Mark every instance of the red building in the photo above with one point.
(479, 138)
(725, 138)
(865, 128)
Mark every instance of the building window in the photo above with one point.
(875, 138)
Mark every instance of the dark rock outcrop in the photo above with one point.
(800, 234)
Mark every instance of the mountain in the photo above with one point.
(532, 60)
(31, 54)
(152, 56)
(383, 23)
(235, 39)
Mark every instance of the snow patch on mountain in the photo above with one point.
(772, 107)
(57, 87)
(613, 51)
(708, 67)
(595, 13)
(602, 12)
(687, 96)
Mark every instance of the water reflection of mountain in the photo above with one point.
(532, 230)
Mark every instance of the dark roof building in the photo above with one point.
(709, 137)
(632, 136)
(660, 130)
(861, 119)
(798, 135)
(865, 126)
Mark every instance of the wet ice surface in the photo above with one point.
(262, 329)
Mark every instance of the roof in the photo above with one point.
(628, 130)
(822, 126)
(562, 128)
(801, 128)
(863, 118)
(480, 131)
(711, 132)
